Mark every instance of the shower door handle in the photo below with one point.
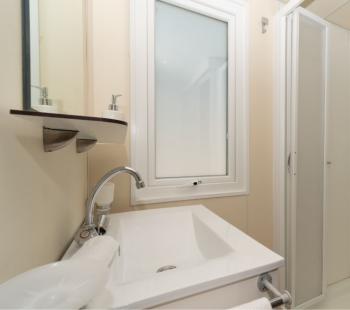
(289, 163)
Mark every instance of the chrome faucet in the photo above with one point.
(88, 229)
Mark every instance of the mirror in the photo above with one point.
(55, 56)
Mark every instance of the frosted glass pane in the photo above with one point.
(190, 93)
(310, 161)
(338, 174)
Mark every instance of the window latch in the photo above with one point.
(198, 182)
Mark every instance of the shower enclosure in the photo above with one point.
(315, 97)
(306, 124)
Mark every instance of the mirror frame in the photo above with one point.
(26, 69)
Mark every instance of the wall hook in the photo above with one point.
(264, 24)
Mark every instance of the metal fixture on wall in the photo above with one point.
(264, 24)
(56, 139)
(278, 299)
(85, 145)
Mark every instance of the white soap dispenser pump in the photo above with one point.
(45, 104)
(114, 111)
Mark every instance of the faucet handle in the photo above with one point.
(85, 233)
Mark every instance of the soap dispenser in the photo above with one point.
(45, 104)
(114, 111)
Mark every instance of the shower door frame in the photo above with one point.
(281, 141)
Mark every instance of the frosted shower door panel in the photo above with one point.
(191, 93)
(309, 101)
(338, 173)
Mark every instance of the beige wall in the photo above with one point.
(252, 213)
(41, 194)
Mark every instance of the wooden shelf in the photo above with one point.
(104, 130)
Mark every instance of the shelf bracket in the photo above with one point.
(85, 145)
(55, 139)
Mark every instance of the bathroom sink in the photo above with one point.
(170, 253)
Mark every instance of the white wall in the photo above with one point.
(41, 194)
(111, 73)
(338, 204)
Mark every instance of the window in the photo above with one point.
(189, 99)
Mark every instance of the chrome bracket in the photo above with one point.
(55, 139)
(278, 298)
(85, 145)
(262, 280)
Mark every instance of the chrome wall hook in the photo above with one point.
(264, 23)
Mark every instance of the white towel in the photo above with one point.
(100, 248)
(262, 303)
(68, 284)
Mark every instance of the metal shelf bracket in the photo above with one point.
(56, 139)
(85, 145)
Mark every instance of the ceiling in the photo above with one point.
(335, 11)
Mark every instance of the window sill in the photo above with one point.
(171, 194)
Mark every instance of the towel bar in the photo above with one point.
(278, 299)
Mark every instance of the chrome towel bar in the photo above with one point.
(278, 298)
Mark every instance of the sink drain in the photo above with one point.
(166, 268)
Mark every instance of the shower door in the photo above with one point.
(305, 156)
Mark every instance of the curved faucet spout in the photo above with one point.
(90, 204)
(88, 231)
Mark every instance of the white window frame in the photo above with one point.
(234, 12)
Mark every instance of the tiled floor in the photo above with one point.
(338, 296)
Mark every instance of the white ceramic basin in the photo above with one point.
(206, 251)
(151, 240)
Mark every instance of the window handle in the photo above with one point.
(191, 184)
(198, 182)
